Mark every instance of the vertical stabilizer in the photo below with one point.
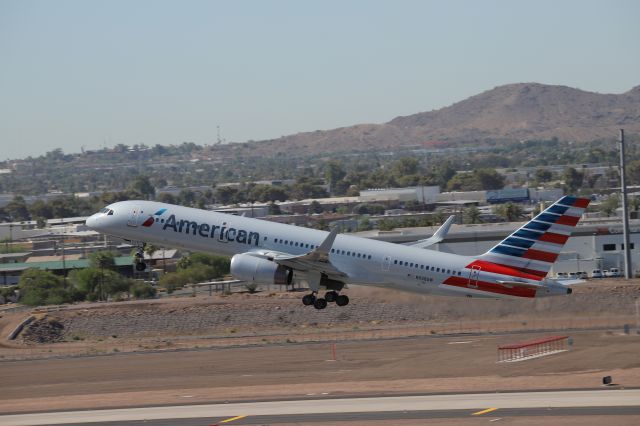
(533, 248)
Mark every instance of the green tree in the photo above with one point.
(40, 209)
(610, 205)
(572, 179)
(471, 215)
(510, 212)
(141, 290)
(315, 207)
(103, 259)
(479, 179)
(17, 209)
(333, 173)
(274, 209)
(142, 185)
(633, 172)
(386, 224)
(39, 287)
(543, 175)
(364, 224)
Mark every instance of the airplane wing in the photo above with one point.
(315, 260)
(436, 237)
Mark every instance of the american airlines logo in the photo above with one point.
(206, 230)
(152, 219)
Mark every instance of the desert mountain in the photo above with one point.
(509, 112)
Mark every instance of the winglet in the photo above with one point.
(437, 236)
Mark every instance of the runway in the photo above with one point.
(603, 402)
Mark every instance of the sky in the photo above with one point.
(88, 74)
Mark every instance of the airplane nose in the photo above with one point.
(92, 221)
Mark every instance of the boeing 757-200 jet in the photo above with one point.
(273, 253)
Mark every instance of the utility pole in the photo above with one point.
(625, 210)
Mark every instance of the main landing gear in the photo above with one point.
(138, 258)
(329, 297)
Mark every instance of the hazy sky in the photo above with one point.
(86, 73)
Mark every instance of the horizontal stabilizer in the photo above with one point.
(438, 236)
(570, 282)
(518, 284)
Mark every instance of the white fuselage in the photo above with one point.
(365, 261)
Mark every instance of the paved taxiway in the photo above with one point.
(606, 401)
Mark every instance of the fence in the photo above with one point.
(532, 348)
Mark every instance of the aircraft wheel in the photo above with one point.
(141, 266)
(342, 300)
(308, 299)
(320, 303)
(331, 296)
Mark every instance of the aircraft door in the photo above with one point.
(386, 263)
(133, 217)
(473, 276)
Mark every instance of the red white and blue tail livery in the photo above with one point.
(273, 253)
(532, 249)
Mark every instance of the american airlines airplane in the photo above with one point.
(273, 253)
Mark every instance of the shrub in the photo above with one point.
(141, 290)
(44, 288)
(251, 287)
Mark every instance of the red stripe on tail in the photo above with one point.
(510, 271)
(552, 237)
(568, 220)
(490, 287)
(582, 202)
(540, 255)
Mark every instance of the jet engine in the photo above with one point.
(255, 269)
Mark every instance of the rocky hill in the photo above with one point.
(512, 112)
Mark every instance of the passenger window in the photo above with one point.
(421, 266)
(395, 262)
(332, 250)
(432, 268)
(369, 256)
(437, 269)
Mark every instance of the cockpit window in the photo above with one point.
(107, 211)
(110, 213)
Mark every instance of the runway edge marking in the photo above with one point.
(488, 410)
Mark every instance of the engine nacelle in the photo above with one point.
(258, 270)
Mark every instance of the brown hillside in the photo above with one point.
(514, 111)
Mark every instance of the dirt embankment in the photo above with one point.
(266, 317)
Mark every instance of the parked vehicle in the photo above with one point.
(562, 276)
(573, 276)
(596, 273)
(612, 273)
(583, 275)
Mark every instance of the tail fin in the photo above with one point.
(532, 249)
